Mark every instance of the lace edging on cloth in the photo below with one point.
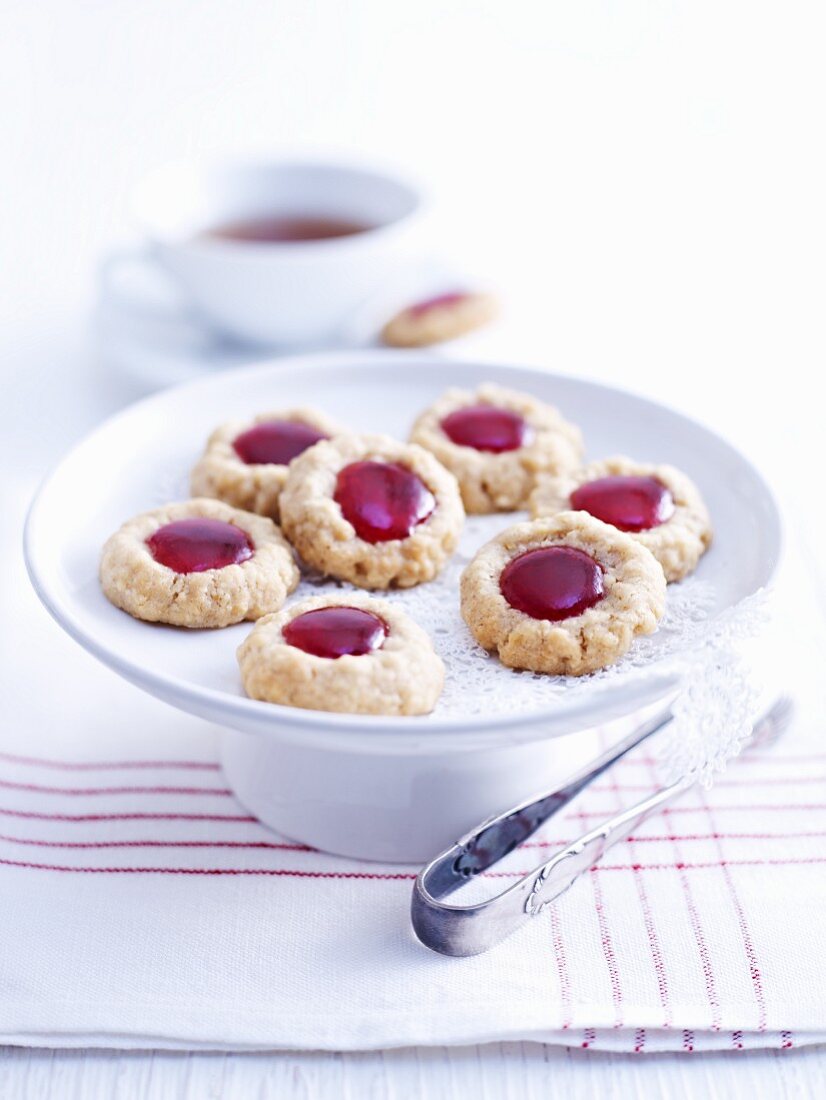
(714, 714)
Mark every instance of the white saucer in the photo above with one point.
(397, 768)
(147, 331)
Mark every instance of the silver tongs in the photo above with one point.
(472, 929)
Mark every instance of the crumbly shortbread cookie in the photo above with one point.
(259, 574)
(586, 604)
(400, 675)
(680, 527)
(375, 547)
(524, 438)
(437, 319)
(229, 470)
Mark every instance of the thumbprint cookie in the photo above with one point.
(352, 654)
(660, 507)
(372, 511)
(564, 595)
(245, 462)
(497, 442)
(434, 320)
(197, 564)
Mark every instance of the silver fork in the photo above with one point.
(472, 929)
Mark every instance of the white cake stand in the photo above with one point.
(395, 789)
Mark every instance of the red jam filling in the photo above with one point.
(552, 582)
(382, 500)
(441, 301)
(629, 503)
(336, 632)
(195, 545)
(486, 428)
(275, 442)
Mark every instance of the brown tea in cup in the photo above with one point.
(286, 228)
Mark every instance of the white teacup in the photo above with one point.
(285, 293)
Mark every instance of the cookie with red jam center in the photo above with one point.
(497, 442)
(382, 500)
(565, 595)
(372, 511)
(552, 583)
(245, 462)
(275, 442)
(348, 653)
(196, 544)
(334, 632)
(440, 317)
(659, 506)
(198, 564)
(487, 428)
(626, 501)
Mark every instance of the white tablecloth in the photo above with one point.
(147, 908)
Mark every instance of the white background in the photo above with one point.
(644, 180)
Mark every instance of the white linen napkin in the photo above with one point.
(143, 907)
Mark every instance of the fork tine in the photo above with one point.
(771, 727)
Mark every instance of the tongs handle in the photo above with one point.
(471, 929)
(468, 930)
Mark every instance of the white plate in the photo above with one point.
(397, 789)
(140, 458)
